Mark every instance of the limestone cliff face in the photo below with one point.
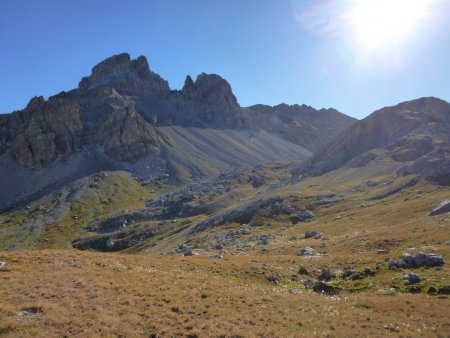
(126, 136)
(215, 101)
(42, 131)
(119, 108)
(126, 76)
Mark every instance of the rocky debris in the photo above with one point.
(186, 250)
(28, 313)
(115, 241)
(418, 260)
(326, 275)
(409, 183)
(411, 278)
(264, 240)
(3, 266)
(324, 288)
(302, 216)
(308, 284)
(368, 272)
(441, 209)
(304, 271)
(193, 199)
(435, 166)
(353, 274)
(273, 278)
(382, 251)
(312, 233)
(308, 251)
(257, 181)
(444, 290)
(265, 207)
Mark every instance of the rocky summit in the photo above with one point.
(125, 116)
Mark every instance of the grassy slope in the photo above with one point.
(58, 218)
(90, 294)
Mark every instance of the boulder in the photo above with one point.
(308, 251)
(327, 274)
(444, 290)
(304, 271)
(301, 216)
(418, 260)
(322, 287)
(411, 278)
(441, 209)
(3, 266)
(308, 284)
(273, 278)
(311, 233)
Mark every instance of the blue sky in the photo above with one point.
(271, 51)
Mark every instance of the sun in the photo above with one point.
(381, 22)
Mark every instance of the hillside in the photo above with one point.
(414, 134)
(129, 209)
(125, 117)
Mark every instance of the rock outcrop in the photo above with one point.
(416, 130)
(441, 209)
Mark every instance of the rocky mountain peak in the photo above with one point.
(126, 76)
(189, 86)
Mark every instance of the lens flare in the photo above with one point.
(379, 22)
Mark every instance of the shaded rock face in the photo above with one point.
(215, 100)
(118, 108)
(126, 136)
(410, 131)
(300, 124)
(42, 131)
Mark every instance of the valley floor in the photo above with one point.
(72, 293)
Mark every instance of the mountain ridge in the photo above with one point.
(124, 116)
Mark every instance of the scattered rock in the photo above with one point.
(109, 243)
(417, 260)
(301, 216)
(409, 183)
(327, 274)
(308, 284)
(311, 233)
(441, 209)
(349, 274)
(383, 251)
(411, 278)
(304, 271)
(273, 278)
(368, 272)
(322, 287)
(186, 250)
(308, 251)
(432, 291)
(264, 240)
(444, 290)
(257, 181)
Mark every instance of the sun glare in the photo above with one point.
(379, 22)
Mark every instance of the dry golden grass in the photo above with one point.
(89, 294)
